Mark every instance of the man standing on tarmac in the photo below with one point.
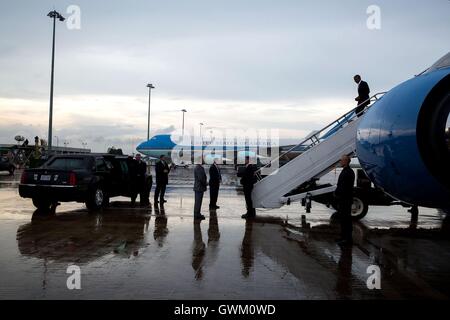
(215, 178)
(344, 198)
(247, 181)
(200, 186)
(162, 179)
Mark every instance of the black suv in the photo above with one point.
(89, 178)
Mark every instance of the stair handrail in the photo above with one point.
(374, 98)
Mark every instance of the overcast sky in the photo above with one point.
(262, 64)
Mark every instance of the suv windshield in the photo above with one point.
(67, 163)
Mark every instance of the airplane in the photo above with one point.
(403, 143)
(227, 152)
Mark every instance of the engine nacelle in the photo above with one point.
(403, 143)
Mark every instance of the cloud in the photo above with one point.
(286, 65)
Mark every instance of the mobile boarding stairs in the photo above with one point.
(320, 153)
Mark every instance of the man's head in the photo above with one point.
(357, 78)
(162, 157)
(345, 161)
(247, 160)
(138, 157)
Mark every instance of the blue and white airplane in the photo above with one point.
(228, 152)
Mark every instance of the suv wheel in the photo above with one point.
(96, 199)
(42, 204)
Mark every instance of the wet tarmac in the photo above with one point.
(161, 253)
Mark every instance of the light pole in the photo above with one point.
(182, 124)
(54, 15)
(150, 87)
(57, 141)
(201, 137)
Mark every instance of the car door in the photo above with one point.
(103, 172)
(125, 176)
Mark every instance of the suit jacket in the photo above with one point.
(161, 176)
(248, 177)
(200, 182)
(344, 189)
(363, 93)
(215, 178)
(141, 169)
(132, 168)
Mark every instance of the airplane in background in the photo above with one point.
(226, 152)
(232, 151)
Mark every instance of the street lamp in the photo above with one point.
(150, 87)
(57, 141)
(201, 137)
(182, 125)
(53, 15)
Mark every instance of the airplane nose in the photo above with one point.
(140, 146)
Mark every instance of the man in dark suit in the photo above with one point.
(140, 175)
(363, 95)
(344, 199)
(200, 186)
(247, 181)
(162, 179)
(215, 178)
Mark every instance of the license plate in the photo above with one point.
(45, 177)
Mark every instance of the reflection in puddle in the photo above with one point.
(80, 237)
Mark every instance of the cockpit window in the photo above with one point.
(443, 62)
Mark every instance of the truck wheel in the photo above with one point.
(359, 208)
(96, 199)
(42, 204)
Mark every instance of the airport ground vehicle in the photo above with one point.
(365, 194)
(7, 165)
(89, 178)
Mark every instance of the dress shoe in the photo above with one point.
(247, 216)
(199, 217)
